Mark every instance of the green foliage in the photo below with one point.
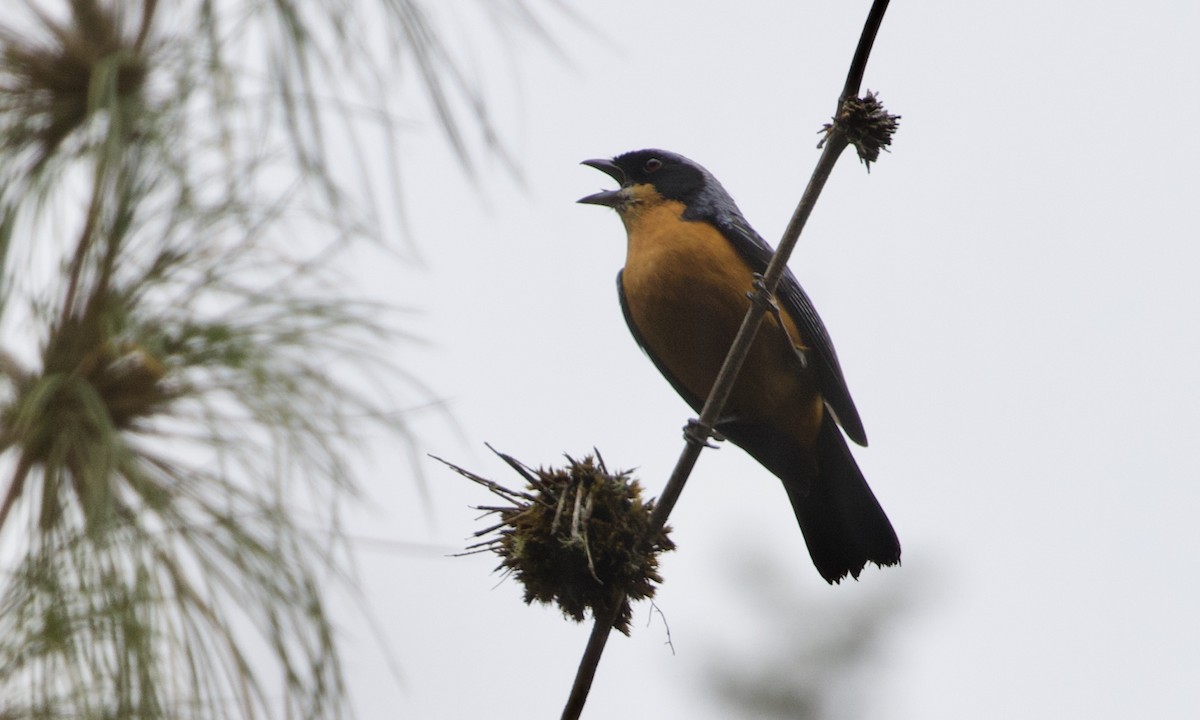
(175, 343)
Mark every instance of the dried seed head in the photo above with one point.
(867, 126)
(575, 537)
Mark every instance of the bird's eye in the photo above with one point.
(652, 164)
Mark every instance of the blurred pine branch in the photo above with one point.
(175, 339)
(795, 656)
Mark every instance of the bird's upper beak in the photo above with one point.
(609, 198)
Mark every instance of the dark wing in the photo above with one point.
(697, 403)
(757, 254)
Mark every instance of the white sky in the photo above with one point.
(1013, 295)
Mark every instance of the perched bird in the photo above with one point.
(691, 260)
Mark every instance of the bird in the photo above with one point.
(691, 262)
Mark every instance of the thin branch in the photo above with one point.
(858, 66)
(698, 431)
(82, 248)
(148, 9)
(15, 486)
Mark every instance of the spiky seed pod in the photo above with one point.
(575, 537)
(867, 124)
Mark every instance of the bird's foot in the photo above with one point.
(762, 296)
(698, 433)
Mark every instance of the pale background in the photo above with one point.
(1013, 295)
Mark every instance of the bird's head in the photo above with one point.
(648, 177)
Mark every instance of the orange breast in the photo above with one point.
(685, 287)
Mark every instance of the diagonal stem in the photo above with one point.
(866, 41)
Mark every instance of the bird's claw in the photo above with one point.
(767, 299)
(698, 433)
(761, 295)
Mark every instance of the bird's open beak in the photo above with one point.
(609, 198)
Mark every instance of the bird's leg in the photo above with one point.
(761, 296)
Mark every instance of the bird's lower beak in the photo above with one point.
(608, 198)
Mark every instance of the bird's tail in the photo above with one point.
(843, 524)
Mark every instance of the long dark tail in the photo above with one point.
(843, 523)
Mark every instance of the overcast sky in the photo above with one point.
(1013, 294)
